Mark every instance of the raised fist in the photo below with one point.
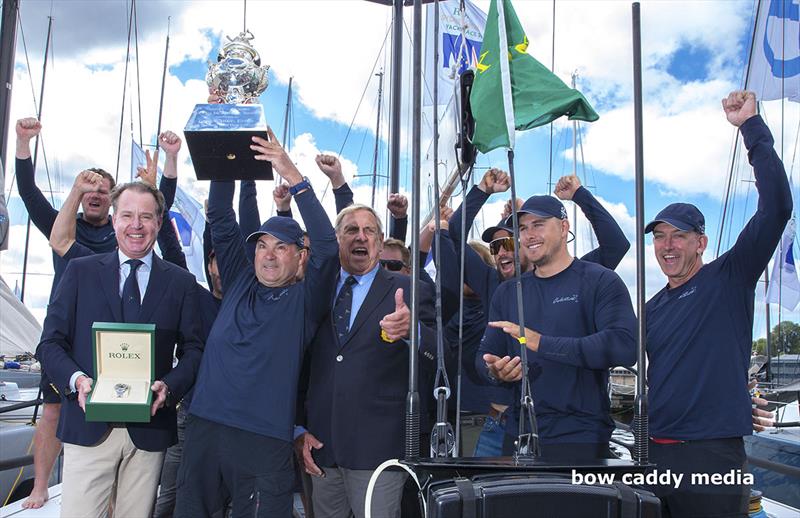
(170, 142)
(28, 128)
(397, 205)
(494, 181)
(566, 187)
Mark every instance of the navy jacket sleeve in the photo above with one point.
(343, 197)
(41, 212)
(168, 186)
(398, 228)
(323, 263)
(612, 243)
(494, 340)
(482, 278)
(449, 269)
(614, 342)
(225, 233)
(249, 218)
(190, 342)
(171, 249)
(757, 241)
(55, 346)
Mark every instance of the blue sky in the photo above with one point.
(329, 48)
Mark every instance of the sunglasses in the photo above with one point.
(506, 243)
(393, 265)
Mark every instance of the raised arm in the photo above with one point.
(62, 235)
(170, 142)
(42, 214)
(612, 243)
(398, 222)
(757, 241)
(332, 168)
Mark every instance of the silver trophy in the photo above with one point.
(238, 76)
(219, 135)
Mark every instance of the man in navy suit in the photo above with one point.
(100, 288)
(358, 377)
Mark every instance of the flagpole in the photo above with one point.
(527, 443)
(640, 418)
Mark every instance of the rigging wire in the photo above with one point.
(138, 83)
(124, 92)
(35, 108)
(736, 140)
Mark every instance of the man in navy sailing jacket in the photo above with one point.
(240, 427)
(484, 279)
(100, 455)
(699, 332)
(579, 322)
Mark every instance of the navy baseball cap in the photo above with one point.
(683, 216)
(544, 206)
(281, 228)
(505, 224)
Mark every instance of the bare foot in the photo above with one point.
(36, 499)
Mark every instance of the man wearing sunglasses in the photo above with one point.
(395, 256)
(579, 322)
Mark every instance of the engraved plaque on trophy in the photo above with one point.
(219, 135)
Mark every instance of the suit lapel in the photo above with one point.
(381, 285)
(156, 287)
(109, 280)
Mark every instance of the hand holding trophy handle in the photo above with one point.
(272, 151)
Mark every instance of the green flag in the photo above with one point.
(539, 96)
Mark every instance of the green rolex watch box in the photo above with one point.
(124, 366)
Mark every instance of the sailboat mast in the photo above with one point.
(413, 402)
(397, 77)
(640, 423)
(377, 137)
(286, 116)
(163, 83)
(36, 156)
(7, 46)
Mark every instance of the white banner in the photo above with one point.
(784, 286)
(775, 65)
(460, 38)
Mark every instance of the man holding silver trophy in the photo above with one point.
(239, 432)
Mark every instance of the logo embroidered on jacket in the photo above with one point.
(688, 292)
(279, 295)
(570, 298)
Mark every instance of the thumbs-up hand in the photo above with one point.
(395, 326)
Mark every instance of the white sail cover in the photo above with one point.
(19, 330)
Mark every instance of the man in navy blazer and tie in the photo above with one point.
(358, 376)
(128, 285)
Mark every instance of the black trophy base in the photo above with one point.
(226, 155)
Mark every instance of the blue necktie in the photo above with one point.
(131, 296)
(342, 307)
